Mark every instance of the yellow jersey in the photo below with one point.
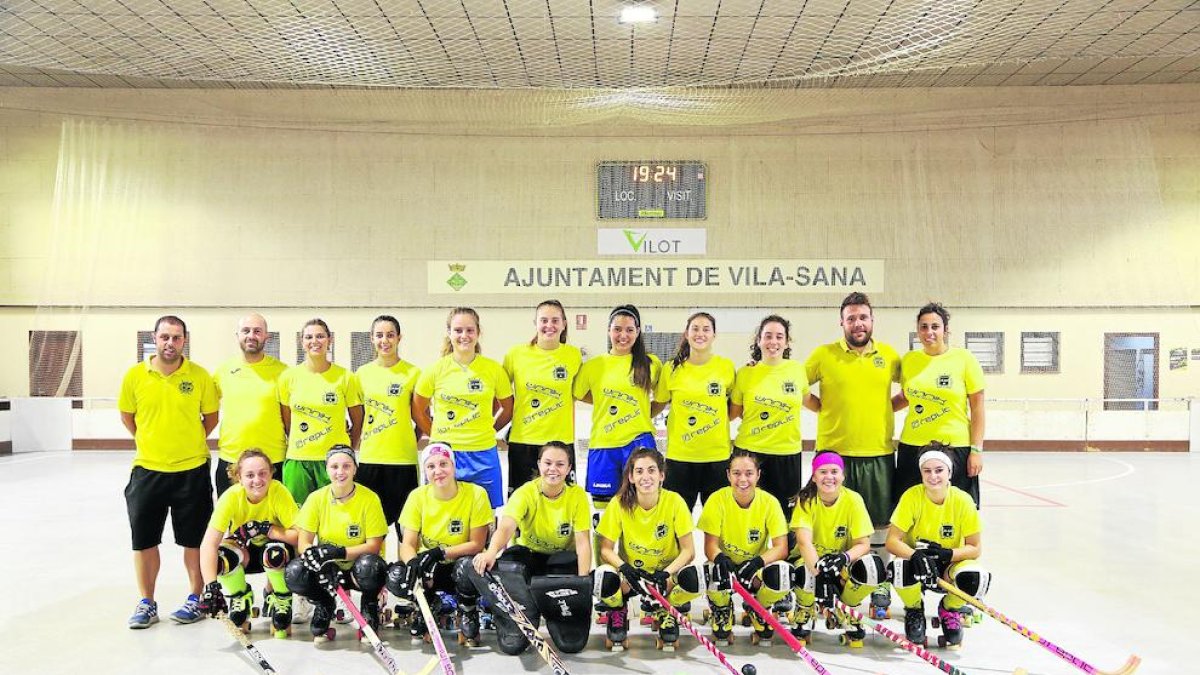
(835, 527)
(234, 509)
(771, 398)
(463, 399)
(549, 525)
(620, 409)
(168, 412)
(948, 523)
(937, 388)
(856, 417)
(648, 540)
(744, 532)
(698, 420)
(250, 415)
(388, 436)
(348, 523)
(442, 524)
(544, 409)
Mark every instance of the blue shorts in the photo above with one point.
(481, 467)
(605, 465)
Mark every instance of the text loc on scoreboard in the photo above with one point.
(651, 189)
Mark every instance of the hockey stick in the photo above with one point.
(244, 641)
(381, 651)
(1130, 665)
(747, 669)
(790, 639)
(435, 633)
(900, 640)
(506, 603)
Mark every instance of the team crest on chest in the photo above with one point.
(943, 381)
(394, 389)
(455, 527)
(475, 384)
(560, 372)
(353, 530)
(946, 532)
(330, 397)
(878, 361)
(714, 388)
(840, 532)
(754, 536)
(186, 387)
(564, 529)
(660, 531)
(789, 387)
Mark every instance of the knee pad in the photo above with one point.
(606, 582)
(463, 586)
(902, 573)
(513, 566)
(802, 580)
(396, 576)
(688, 579)
(868, 570)
(297, 577)
(562, 597)
(778, 576)
(715, 580)
(973, 582)
(369, 573)
(228, 559)
(275, 556)
(563, 562)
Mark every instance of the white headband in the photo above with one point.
(937, 455)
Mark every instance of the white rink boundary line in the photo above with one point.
(1128, 470)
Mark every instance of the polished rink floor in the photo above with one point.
(1094, 551)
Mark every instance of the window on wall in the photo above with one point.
(55, 363)
(361, 349)
(146, 348)
(988, 349)
(913, 342)
(1039, 352)
(272, 345)
(300, 347)
(661, 345)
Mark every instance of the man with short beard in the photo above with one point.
(169, 405)
(855, 415)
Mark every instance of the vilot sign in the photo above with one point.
(652, 241)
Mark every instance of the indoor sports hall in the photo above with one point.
(1032, 165)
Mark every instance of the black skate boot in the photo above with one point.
(616, 628)
(801, 618)
(322, 615)
(468, 625)
(722, 624)
(951, 623)
(914, 624)
(279, 608)
(239, 609)
(668, 631)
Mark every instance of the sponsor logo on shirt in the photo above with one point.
(535, 404)
(918, 408)
(304, 426)
(450, 414)
(660, 531)
(456, 526)
(943, 381)
(947, 531)
(692, 421)
(612, 410)
(560, 372)
(754, 536)
(353, 531)
(474, 384)
(330, 397)
(394, 389)
(186, 387)
(840, 532)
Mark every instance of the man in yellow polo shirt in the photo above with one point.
(250, 415)
(169, 405)
(855, 414)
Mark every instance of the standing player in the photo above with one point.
(543, 374)
(696, 383)
(618, 386)
(250, 416)
(745, 535)
(169, 405)
(388, 453)
(944, 388)
(855, 416)
(935, 534)
(654, 529)
(768, 397)
(315, 397)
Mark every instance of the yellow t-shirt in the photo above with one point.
(834, 528)
(250, 408)
(648, 540)
(698, 421)
(233, 510)
(318, 402)
(348, 523)
(620, 409)
(856, 416)
(446, 523)
(168, 411)
(948, 524)
(937, 388)
(462, 398)
(542, 379)
(549, 525)
(744, 532)
(388, 436)
(771, 398)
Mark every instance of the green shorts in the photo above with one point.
(303, 477)
(871, 477)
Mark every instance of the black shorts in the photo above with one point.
(221, 476)
(150, 495)
(779, 476)
(522, 464)
(872, 479)
(694, 480)
(392, 482)
(908, 473)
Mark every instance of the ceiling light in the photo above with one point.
(638, 14)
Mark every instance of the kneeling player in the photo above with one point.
(252, 530)
(935, 534)
(341, 537)
(654, 528)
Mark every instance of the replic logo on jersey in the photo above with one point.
(394, 389)
(714, 388)
(660, 531)
(918, 408)
(878, 361)
(944, 381)
(456, 526)
(564, 529)
(692, 421)
(535, 404)
(353, 531)
(304, 426)
(450, 415)
(840, 532)
(560, 372)
(789, 387)
(330, 397)
(474, 384)
(754, 535)
(612, 410)
(946, 532)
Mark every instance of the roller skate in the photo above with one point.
(341, 614)
(763, 632)
(854, 635)
(914, 625)
(801, 617)
(239, 609)
(668, 631)
(616, 628)
(468, 625)
(319, 623)
(402, 614)
(881, 601)
(278, 606)
(969, 616)
(418, 631)
(722, 624)
(649, 614)
(951, 625)
(370, 612)
(782, 610)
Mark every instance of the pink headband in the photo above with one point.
(828, 458)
